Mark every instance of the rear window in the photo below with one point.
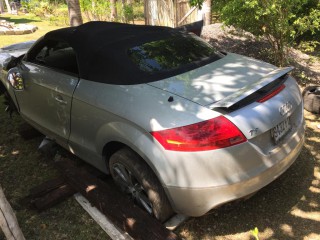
(172, 53)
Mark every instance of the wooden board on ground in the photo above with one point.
(113, 204)
(8, 220)
(50, 193)
(54, 197)
(46, 187)
(107, 226)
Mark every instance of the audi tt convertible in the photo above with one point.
(180, 126)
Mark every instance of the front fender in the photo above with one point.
(6, 87)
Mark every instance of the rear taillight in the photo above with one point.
(272, 94)
(212, 134)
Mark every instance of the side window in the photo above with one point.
(58, 55)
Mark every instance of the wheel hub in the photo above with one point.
(131, 186)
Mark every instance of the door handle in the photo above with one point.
(60, 100)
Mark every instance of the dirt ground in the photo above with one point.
(307, 67)
(288, 208)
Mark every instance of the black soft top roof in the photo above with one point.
(102, 50)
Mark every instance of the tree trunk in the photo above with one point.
(206, 9)
(124, 16)
(8, 220)
(113, 6)
(1, 6)
(8, 6)
(74, 12)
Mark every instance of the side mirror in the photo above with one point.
(15, 79)
(5, 59)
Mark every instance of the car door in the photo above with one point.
(50, 76)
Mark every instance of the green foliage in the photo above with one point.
(43, 9)
(128, 13)
(196, 3)
(138, 10)
(309, 46)
(280, 21)
(95, 9)
(60, 18)
(309, 22)
(255, 233)
(101, 10)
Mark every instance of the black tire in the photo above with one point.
(311, 99)
(144, 183)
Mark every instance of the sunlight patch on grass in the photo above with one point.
(287, 230)
(314, 215)
(44, 26)
(15, 152)
(314, 189)
(313, 204)
(312, 236)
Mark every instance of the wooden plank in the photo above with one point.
(8, 220)
(102, 220)
(46, 187)
(175, 221)
(187, 15)
(114, 205)
(54, 197)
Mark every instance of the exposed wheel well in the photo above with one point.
(109, 149)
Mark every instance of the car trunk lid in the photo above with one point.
(222, 83)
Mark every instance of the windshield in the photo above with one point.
(172, 53)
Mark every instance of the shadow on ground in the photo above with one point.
(288, 208)
(19, 21)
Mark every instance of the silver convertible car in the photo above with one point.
(180, 126)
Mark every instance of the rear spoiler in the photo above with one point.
(195, 27)
(245, 92)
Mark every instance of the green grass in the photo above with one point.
(44, 26)
(23, 167)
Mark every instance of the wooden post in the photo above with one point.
(8, 6)
(206, 10)
(8, 220)
(74, 10)
(1, 7)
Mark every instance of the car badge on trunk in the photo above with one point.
(285, 108)
(254, 132)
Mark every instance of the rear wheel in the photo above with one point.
(136, 179)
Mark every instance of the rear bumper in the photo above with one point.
(198, 201)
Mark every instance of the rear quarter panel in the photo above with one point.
(103, 113)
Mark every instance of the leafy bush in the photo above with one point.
(41, 9)
(138, 10)
(95, 9)
(279, 21)
(61, 17)
(308, 23)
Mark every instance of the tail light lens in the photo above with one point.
(272, 94)
(212, 134)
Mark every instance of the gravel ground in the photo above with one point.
(307, 67)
